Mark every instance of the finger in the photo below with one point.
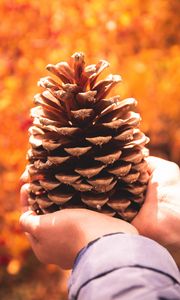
(32, 239)
(156, 162)
(24, 197)
(153, 162)
(163, 171)
(24, 177)
(29, 222)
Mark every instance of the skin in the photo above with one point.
(159, 217)
(58, 237)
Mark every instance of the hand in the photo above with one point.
(159, 217)
(58, 237)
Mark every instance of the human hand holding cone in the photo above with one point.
(86, 149)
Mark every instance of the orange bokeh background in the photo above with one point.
(140, 39)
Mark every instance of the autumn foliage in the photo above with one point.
(141, 41)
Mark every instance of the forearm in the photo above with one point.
(124, 266)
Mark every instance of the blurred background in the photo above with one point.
(140, 39)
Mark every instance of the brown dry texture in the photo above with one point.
(87, 149)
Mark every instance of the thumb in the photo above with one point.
(24, 197)
(29, 222)
(163, 172)
(153, 162)
(24, 177)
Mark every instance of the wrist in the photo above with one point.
(80, 253)
(87, 226)
(96, 226)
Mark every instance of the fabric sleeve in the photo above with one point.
(126, 267)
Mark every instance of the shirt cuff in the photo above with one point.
(118, 250)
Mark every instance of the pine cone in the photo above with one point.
(86, 151)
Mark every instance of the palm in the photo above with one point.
(159, 217)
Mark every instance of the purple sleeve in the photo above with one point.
(126, 267)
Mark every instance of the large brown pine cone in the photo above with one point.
(86, 150)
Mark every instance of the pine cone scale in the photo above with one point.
(86, 150)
